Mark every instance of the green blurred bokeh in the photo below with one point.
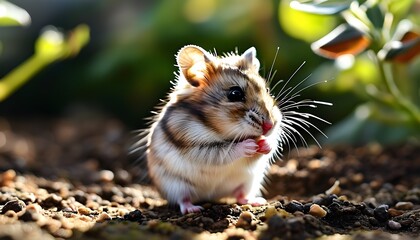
(130, 59)
(129, 63)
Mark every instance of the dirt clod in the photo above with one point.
(13, 205)
(317, 211)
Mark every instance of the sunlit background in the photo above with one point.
(129, 61)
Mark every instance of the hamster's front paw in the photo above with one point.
(263, 146)
(247, 148)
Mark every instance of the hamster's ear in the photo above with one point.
(195, 64)
(250, 60)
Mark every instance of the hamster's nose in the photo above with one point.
(267, 126)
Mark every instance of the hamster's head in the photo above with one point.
(227, 93)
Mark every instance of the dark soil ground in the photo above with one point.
(72, 179)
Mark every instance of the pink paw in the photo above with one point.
(247, 148)
(187, 207)
(263, 147)
(190, 209)
(255, 202)
(241, 199)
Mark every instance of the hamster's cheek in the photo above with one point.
(245, 129)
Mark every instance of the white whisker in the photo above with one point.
(295, 122)
(307, 115)
(290, 78)
(308, 124)
(292, 89)
(271, 74)
(304, 125)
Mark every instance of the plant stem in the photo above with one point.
(21, 74)
(388, 79)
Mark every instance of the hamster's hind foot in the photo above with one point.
(186, 206)
(255, 201)
(242, 199)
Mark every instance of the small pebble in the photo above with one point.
(325, 200)
(246, 216)
(394, 225)
(306, 207)
(14, 205)
(270, 211)
(53, 200)
(404, 205)
(357, 178)
(92, 205)
(294, 206)
(134, 216)
(343, 198)
(123, 177)
(106, 176)
(63, 233)
(317, 211)
(394, 212)
(34, 207)
(103, 217)
(122, 212)
(8, 176)
(381, 213)
(85, 218)
(245, 220)
(84, 210)
(11, 214)
(246, 207)
(334, 189)
(27, 197)
(80, 196)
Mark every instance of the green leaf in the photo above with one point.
(344, 39)
(375, 15)
(12, 15)
(405, 45)
(400, 51)
(321, 7)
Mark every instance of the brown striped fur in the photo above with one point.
(195, 145)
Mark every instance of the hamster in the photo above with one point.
(218, 132)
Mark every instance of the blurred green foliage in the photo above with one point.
(375, 57)
(129, 61)
(12, 15)
(49, 47)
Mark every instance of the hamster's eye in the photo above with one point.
(236, 94)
